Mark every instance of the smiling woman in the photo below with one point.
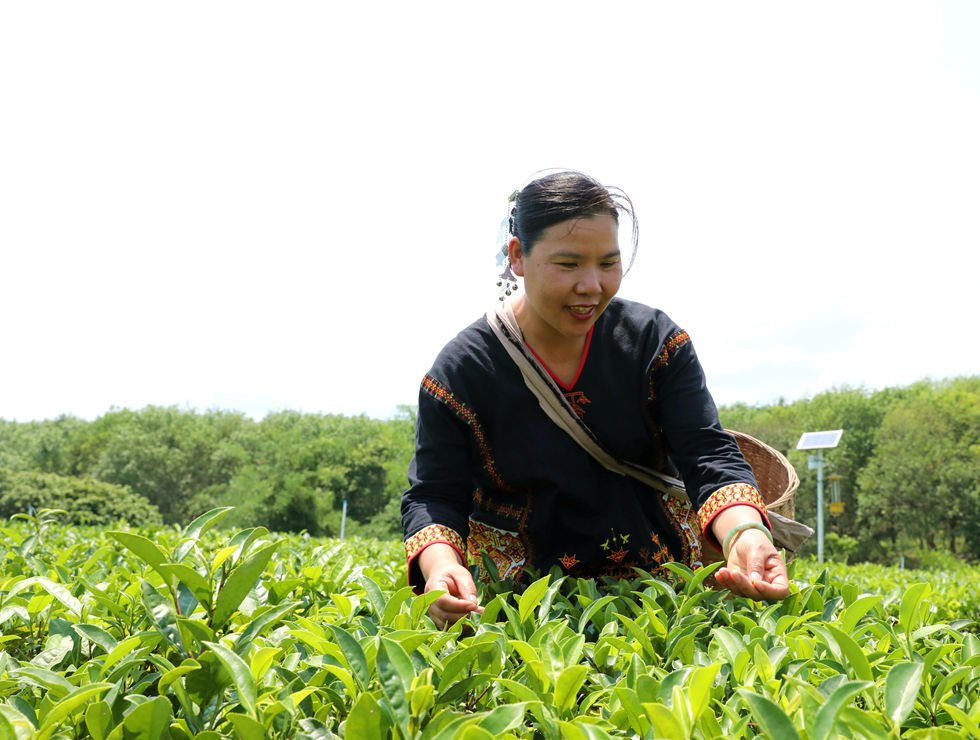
(529, 416)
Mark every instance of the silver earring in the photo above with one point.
(506, 280)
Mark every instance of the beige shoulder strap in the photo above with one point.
(787, 533)
(559, 410)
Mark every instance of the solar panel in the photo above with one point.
(819, 440)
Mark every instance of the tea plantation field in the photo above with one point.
(213, 634)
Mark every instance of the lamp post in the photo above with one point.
(343, 517)
(819, 441)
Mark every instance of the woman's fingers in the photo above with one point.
(460, 598)
(756, 570)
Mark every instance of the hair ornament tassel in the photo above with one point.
(506, 280)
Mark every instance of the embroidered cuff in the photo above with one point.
(734, 494)
(422, 539)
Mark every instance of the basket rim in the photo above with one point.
(793, 479)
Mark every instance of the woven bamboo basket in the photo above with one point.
(776, 478)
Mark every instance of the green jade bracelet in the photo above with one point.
(741, 528)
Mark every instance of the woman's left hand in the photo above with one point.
(755, 568)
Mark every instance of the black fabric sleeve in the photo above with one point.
(707, 457)
(440, 475)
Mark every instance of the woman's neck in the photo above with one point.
(561, 354)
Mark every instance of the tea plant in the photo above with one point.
(196, 632)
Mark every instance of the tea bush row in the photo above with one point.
(196, 632)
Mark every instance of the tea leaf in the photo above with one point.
(150, 719)
(260, 620)
(582, 731)
(74, 701)
(145, 549)
(853, 653)
(394, 605)
(96, 635)
(161, 612)
(901, 688)
(531, 598)
(504, 718)
(827, 714)
(366, 719)
(862, 723)
(567, 686)
(909, 608)
(591, 610)
(855, 611)
(241, 580)
(374, 594)
(195, 582)
(241, 676)
(247, 728)
(699, 689)
(771, 718)
(665, 723)
(203, 523)
(52, 682)
(98, 719)
(963, 718)
(355, 656)
(398, 660)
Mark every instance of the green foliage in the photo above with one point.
(84, 501)
(923, 480)
(197, 632)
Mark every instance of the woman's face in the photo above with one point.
(571, 274)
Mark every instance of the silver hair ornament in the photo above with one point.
(506, 280)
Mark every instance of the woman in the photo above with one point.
(494, 475)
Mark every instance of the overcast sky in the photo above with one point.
(259, 206)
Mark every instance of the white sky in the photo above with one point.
(258, 206)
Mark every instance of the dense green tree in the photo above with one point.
(923, 480)
(84, 500)
(169, 455)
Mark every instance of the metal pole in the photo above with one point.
(343, 519)
(819, 506)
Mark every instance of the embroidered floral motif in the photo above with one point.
(660, 554)
(568, 561)
(613, 538)
(429, 536)
(504, 548)
(579, 401)
(685, 521)
(730, 495)
(618, 555)
(675, 341)
(443, 395)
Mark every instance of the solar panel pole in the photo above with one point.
(816, 461)
(820, 506)
(819, 441)
(343, 518)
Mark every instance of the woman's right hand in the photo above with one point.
(444, 571)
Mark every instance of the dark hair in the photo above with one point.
(561, 196)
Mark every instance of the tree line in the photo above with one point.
(909, 460)
(288, 472)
